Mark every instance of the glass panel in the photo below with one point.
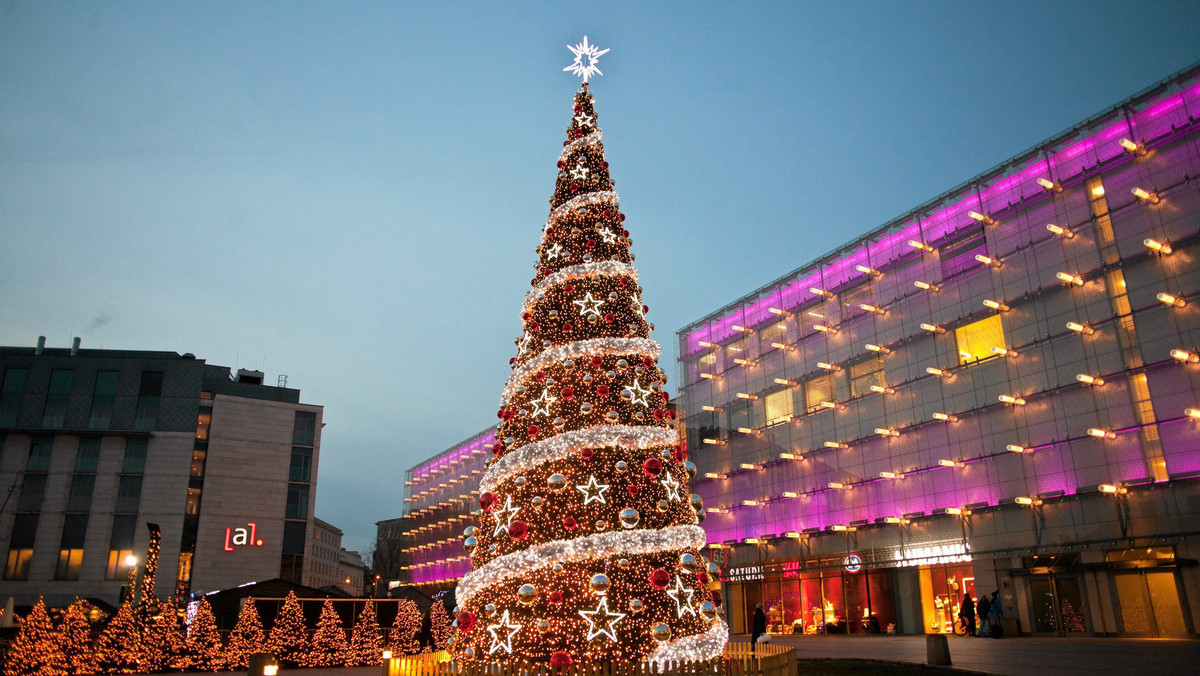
(88, 456)
(976, 340)
(751, 597)
(864, 374)
(103, 397)
(33, 487)
(10, 395)
(1043, 605)
(793, 609)
(80, 497)
(55, 411)
(1070, 605)
(135, 456)
(959, 255)
(202, 422)
(817, 390)
(129, 494)
(1164, 599)
(813, 603)
(17, 565)
(198, 457)
(778, 406)
(297, 501)
(736, 604)
(741, 415)
(305, 428)
(858, 610)
(883, 604)
(1135, 609)
(773, 606)
(193, 502)
(39, 454)
(301, 467)
(835, 605)
(116, 564)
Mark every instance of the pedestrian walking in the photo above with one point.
(966, 613)
(981, 611)
(759, 627)
(996, 616)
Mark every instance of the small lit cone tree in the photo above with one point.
(204, 650)
(439, 625)
(119, 648)
(366, 645)
(75, 640)
(587, 544)
(288, 640)
(163, 645)
(246, 639)
(328, 647)
(402, 639)
(35, 651)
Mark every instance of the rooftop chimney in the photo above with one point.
(75, 347)
(41, 344)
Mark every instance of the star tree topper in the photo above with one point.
(585, 59)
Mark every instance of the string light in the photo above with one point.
(1065, 233)
(560, 446)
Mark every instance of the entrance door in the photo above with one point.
(1149, 603)
(1057, 605)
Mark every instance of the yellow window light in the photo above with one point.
(1098, 191)
(1049, 185)
(1132, 147)
(882, 389)
(827, 366)
(824, 329)
(1004, 351)
(886, 432)
(887, 475)
(1101, 433)
(878, 348)
(1089, 380)
(835, 444)
(1080, 328)
(712, 409)
(1014, 448)
(945, 417)
(820, 292)
(1185, 356)
(1059, 231)
(1151, 197)
(835, 485)
(1193, 413)
(996, 305)
(782, 346)
(1170, 299)
(714, 475)
(927, 286)
(975, 215)
(920, 246)
(1010, 399)
(705, 343)
(941, 373)
(1068, 278)
(872, 309)
(743, 395)
(1022, 500)
(988, 260)
(714, 442)
(866, 270)
(1157, 246)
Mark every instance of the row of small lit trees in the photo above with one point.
(136, 641)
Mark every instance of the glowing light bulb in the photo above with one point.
(1150, 197)
(868, 270)
(1015, 448)
(1098, 191)
(1157, 246)
(1170, 299)
(1089, 380)
(1061, 232)
(881, 389)
(1009, 399)
(920, 246)
(877, 348)
(1080, 328)
(824, 329)
(781, 346)
(932, 328)
(1022, 500)
(1049, 185)
(887, 475)
(784, 381)
(996, 305)
(820, 292)
(1185, 356)
(1101, 433)
(988, 260)
(945, 417)
(1069, 278)
(926, 286)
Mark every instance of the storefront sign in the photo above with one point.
(745, 573)
(955, 552)
(242, 536)
(852, 563)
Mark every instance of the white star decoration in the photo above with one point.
(585, 53)
(608, 627)
(579, 172)
(554, 251)
(584, 119)
(593, 491)
(502, 524)
(639, 394)
(637, 305)
(671, 485)
(524, 344)
(682, 606)
(541, 405)
(589, 305)
(507, 642)
(608, 236)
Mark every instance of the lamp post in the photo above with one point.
(131, 564)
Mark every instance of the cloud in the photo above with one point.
(98, 322)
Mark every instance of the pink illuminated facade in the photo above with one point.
(998, 391)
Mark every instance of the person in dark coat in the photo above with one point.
(759, 627)
(967, 613)
(981, 610)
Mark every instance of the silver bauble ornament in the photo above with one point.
(527, 594)
(600, 583)
(629, 517)
(556, 482)
(661, 633)
(688, 563)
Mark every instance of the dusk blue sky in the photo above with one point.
(351, 193)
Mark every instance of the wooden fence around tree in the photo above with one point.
(767, 660)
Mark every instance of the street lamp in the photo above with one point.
(131, 564)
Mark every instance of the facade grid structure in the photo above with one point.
(997, 391)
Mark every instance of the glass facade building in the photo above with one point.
(996, 392)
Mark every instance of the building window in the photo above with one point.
(738, 349)
(88, 456)
(120, 546)
(192, 507)
(149, 393)
(817, 390)
(772, 334)
(291, 564)
(80, 497)
(202, 422)
(304, 431)
(198, 457)
(135, 456)
(976, 340)
(39, 454)
(70, 551)
(10, 395)
(778, 407)
(851, 299)
(54, 413)
(297, 501)
(33, 487)
(20, 547)
(301, 468)
(864, 374)
(184, 575)
(129, 494)
(103, 397)
(959, 255)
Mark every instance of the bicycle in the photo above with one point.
(961, 627)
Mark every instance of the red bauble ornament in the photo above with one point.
(517, 530)
(512, 360)
(625, 234)
(602, 390)
(621, 217)
(597, 361)
(604, 164)
(555, 597)
(606, 213)
(486, 501)
(645, 309)
(569, 522)
(578, 108)
(652, 467)
(567, 393)
(500, 413)
(586, 453)
(672, 414)
(608, 318)
(658, 414)
(566, 327)
(466, 621)
(633, 490)
(534, 326)
(568, 289)
(647, 362)
(716, 596)
(533, 430)
(560, 164)
(560, 659)
(680, 455)
(550, 232)
(533, 282)
(659, 578)
(702, 577)
(591, 244)
(666, 397)
(525, 316)
(497, 448)
(574, 188)
(624, 281)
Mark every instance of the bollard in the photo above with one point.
(937, 650)
(390, 665)
(262, 664)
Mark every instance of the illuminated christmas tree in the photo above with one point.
(402, 638)
(246, 639)
(75, 640)
(204, 650)
(328, 647)
(439, 625)
(288, 640)
(119, 648)
(366, 646)
(35, 651)
(163, 645)
(587, 545)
